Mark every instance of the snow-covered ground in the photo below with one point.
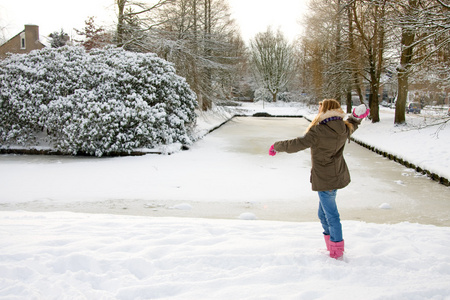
(81, 256)
(66, 255)
(418, 142)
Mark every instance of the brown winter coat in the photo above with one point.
(329, 170)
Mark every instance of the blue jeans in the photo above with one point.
(329, 215)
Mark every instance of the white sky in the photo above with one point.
(253, 16)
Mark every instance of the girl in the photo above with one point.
(326, 136)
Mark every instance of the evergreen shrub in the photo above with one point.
(97, 103)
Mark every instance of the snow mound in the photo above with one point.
(385, 206)
(247, 216)
(183, 206)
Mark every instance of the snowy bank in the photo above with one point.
(82, 256)
(418, 145)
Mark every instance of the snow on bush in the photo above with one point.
(285, 97)
(99, 102)
(263, 94)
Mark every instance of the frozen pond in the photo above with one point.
(222, 176)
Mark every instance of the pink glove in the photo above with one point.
(361, 111)
(272, 151)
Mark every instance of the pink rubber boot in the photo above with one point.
(336, 249)
(327, 241)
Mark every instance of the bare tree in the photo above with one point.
(380, 35)
(202, 40)
(273, 60)
(314, 49)
(325, 52)
(354, 54)
(198, 36)
(425, 51)
(408, 33)
(135, 18)
(370, 21)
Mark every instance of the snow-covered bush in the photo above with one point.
(285, 96)
(263, 94)
(98, 102)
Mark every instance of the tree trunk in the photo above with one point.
(408, 37)
(338, 57)
(374, 89)
(402, 95)
(374, 107)
(120, 21)
(353, 58)
(373, 41)
(194, 12)
(207, 103)
(349, 101)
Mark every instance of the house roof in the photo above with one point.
(39, 41)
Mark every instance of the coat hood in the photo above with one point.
(328, 117)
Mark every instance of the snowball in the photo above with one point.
(385, 206)
(360, 110)
(247, 216)
(183, 206)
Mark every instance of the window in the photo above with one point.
(22, 41)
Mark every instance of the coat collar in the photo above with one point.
(330, 114)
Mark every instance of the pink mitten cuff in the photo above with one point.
(272, 151)
(361, 111)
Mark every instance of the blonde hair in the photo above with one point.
(324, 106)
(330, 104)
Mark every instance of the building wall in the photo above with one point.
(24, 42)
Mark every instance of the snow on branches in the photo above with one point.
(98, 102)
